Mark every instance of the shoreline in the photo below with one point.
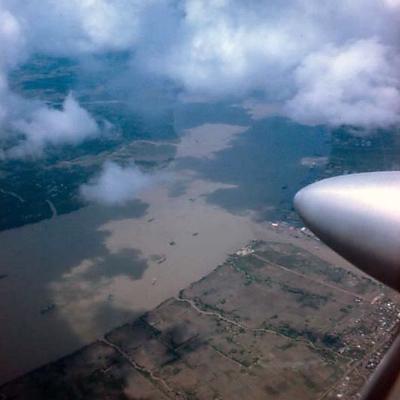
(101, 267)
(268, 233)
(277, 232)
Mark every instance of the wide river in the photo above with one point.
(101, 266)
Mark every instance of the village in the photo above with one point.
(274, 320)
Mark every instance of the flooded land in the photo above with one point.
(274, 321)
(69, 279)
(73, 277)
(150, 152)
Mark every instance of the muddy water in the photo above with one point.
(101, 267)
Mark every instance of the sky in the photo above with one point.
(333, 62)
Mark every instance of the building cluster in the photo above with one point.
(245, 250)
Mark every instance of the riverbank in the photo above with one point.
(99, 267)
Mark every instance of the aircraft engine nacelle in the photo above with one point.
(358, 216)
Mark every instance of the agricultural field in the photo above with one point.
(273, 322)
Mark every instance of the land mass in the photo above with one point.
(274, 321)
(36, 188)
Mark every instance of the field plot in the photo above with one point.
(272, 322)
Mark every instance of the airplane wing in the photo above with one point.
(358, 216)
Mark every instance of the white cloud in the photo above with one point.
(229, 47)
(115, 184)
(393, 3)
(46, 126)
(356, 84)
(12, 44)
(39, 124)
(224, 43)
(77, 27)
(12, 40)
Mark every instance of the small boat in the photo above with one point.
(47, 309)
